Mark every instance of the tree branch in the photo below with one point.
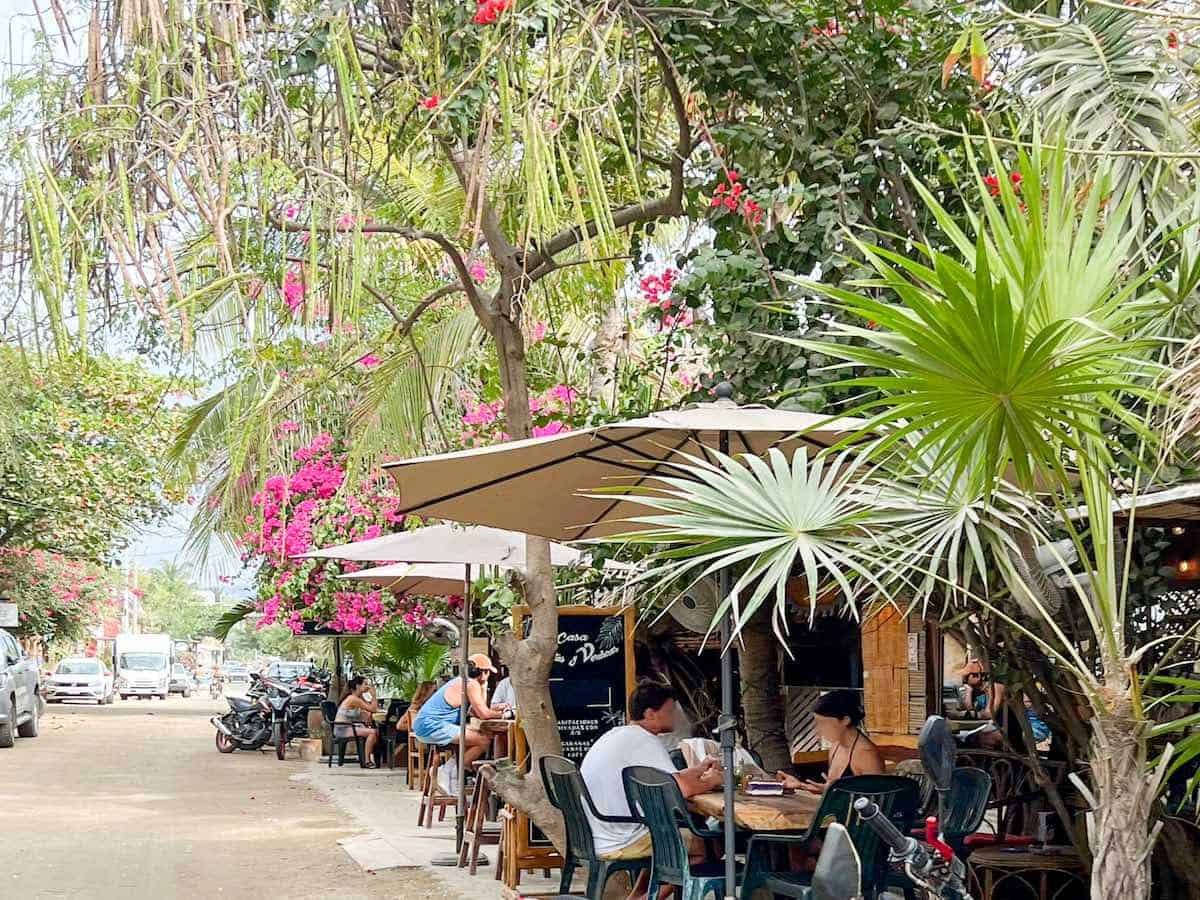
(669, 206)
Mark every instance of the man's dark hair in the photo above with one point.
(647, 696)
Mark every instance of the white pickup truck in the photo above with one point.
(19, 701)
(143, 664)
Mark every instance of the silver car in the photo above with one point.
(182, 681)
(19, 702)
(79, 678)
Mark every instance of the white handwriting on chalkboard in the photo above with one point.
(588, 653)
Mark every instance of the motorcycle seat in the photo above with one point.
(239, 704)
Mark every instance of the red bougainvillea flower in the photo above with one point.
(369, 361)
(1015, 178)
(993, 185)
(752, 212)
(1172, 40)
(488, 11)
(431, 102)
(986, 87)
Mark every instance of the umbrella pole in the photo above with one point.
(460, 811)
(727, 725)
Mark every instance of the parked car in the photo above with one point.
(19, 701)
(235, 673)
(79, 678)
(182, 681)
(282, 670)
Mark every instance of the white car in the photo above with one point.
(79, 678)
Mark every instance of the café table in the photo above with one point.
(791, 812)
(1049, 873)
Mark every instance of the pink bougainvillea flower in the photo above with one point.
(431, 102)
(369, 361)
(346, 221)
(538, 332)
(549, 428)
(288, 426)
(293, 289)
(291, 211)
(1172, 40)
(563, 393)
(478, 272)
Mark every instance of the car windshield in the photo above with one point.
(143, 662)
(78, 667)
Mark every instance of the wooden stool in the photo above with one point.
(432, 796)
(414, 768)
(477, 831)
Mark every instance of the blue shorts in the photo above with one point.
(436, 732)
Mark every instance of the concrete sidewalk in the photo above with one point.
(379, 801)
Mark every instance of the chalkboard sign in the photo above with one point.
(591, 678)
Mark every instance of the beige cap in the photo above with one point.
(481, 661)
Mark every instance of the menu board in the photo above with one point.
(590, 680)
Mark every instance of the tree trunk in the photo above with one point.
(529, 658)
(1119, 825)
(762, 693)
(611, 340)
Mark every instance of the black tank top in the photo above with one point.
(849, 772)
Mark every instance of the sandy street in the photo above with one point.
(133, 801)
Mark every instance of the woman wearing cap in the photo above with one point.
(440, 718)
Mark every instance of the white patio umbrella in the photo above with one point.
(539, 486)
(429, 579)
(442, 549)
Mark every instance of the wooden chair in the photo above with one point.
(477, 831)
(432, 796)
(414, 770)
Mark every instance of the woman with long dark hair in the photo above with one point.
(838, 718)
(354, 713)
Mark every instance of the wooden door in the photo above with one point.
(885, 672)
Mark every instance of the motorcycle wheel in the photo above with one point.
(281, 738)
(225, 743)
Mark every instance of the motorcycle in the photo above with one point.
(247, 725)
(215, 687)
(289, 705)
(932, 865)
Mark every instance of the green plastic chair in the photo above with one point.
(899, 798)
(656, 796)
(966, 805)
(568, 793)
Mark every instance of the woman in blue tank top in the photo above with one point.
(440, 718)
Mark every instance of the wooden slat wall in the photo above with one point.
(885, 672)
(917, 699)
(798, 721)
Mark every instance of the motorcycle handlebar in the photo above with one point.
(883, 827)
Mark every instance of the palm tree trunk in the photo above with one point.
(1119, 825)
(762, 694)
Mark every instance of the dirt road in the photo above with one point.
(132, 801)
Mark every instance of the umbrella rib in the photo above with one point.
(688, 435)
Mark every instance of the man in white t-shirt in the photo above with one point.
(652, 709)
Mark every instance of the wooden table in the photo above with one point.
(1055, 873)
(791, 812)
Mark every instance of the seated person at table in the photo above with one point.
(440, 717)
(423, 692)
(697, 750)
(504, 697)
(354, 713)
(837, 718)
(652, 709)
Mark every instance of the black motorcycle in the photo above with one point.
(289, 705)
(247, 725)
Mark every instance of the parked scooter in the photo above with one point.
(247, 725)
(932, 865)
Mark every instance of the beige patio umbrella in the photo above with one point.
(446, 544)
(539, 486)
(429, 579)
(446, 554)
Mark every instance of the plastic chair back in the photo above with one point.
(970, 789)
(897, 797)
(568, 793)
(655, 796)
(329, 711)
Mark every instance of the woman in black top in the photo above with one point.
(838, 717)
